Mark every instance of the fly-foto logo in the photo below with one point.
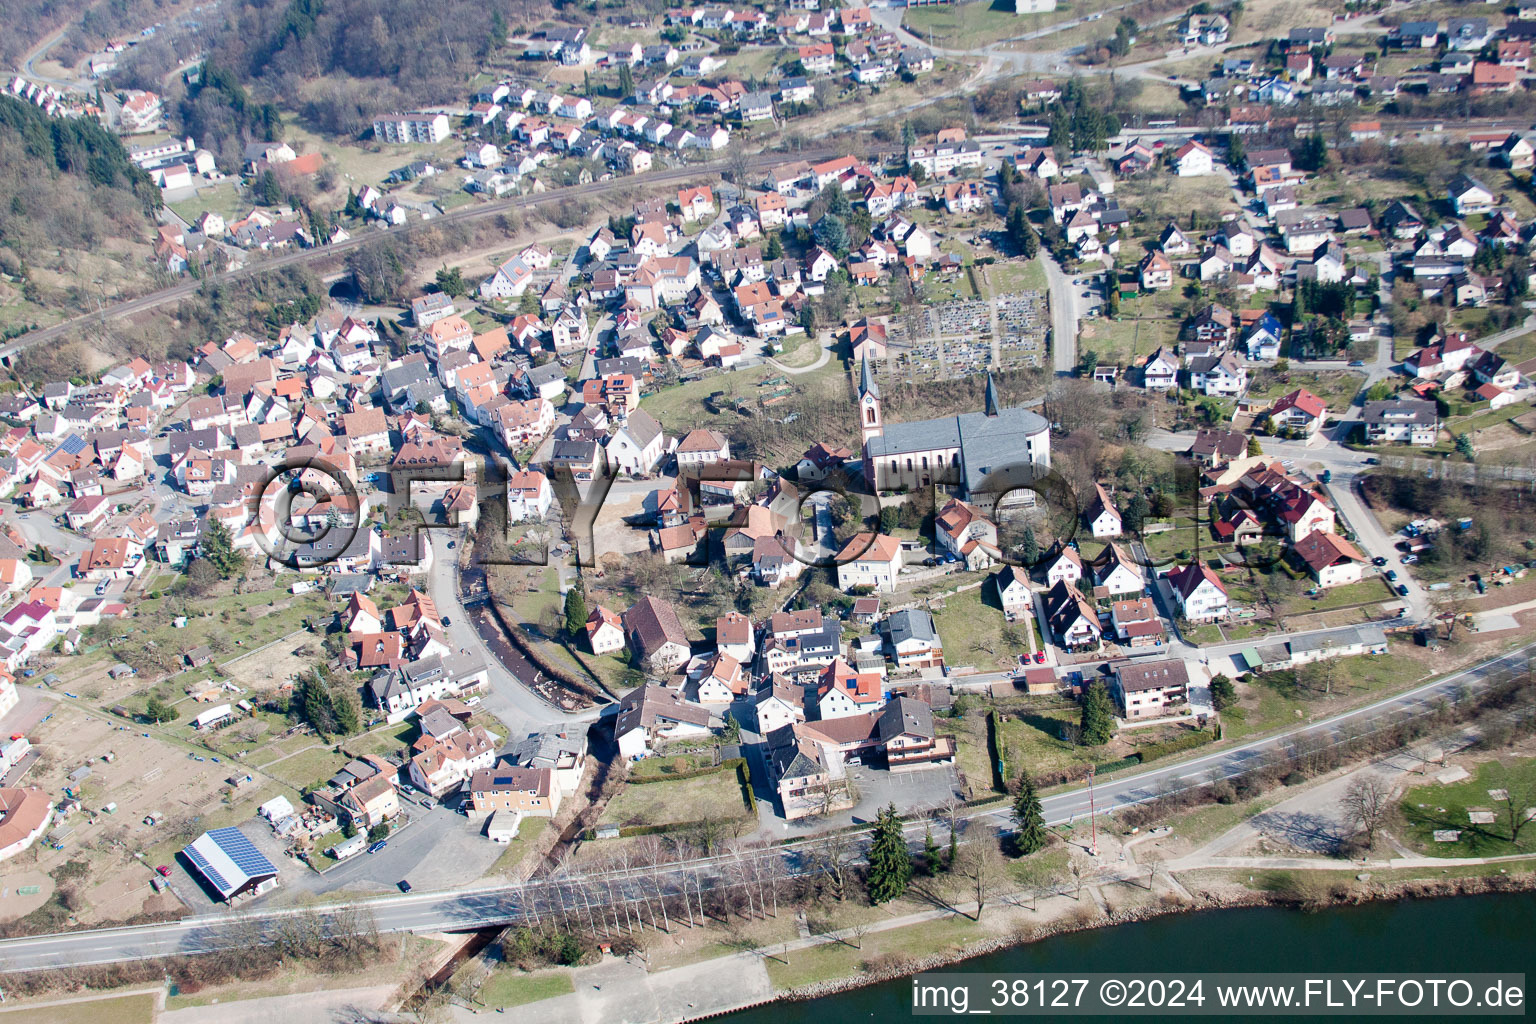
(309, 514)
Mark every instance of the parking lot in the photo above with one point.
(917, 790)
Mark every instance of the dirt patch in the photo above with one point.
(146, 775)
(14, 903)
(1510, 434)
(270, 668)
(614, 534)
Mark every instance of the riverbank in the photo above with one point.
(875, 952)
(1204, 902)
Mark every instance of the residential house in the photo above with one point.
(1197, 592)
(1149, 689)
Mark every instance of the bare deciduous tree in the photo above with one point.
(1366, 802)
(1078, 867)
(981, 865)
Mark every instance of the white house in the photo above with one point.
(529, 496)
(1102, 517)
(869, 560)
(1198, 593)
(1192, 159)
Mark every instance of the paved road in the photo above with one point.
(1064, 315)
(462, 909)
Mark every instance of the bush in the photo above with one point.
(1189, 741)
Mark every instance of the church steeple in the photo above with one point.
(867, 385)
(992, 403)
(870, 424)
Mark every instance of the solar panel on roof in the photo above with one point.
(231, 852)
(74, 444)
(207, 869)
(240, 850)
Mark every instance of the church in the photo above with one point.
(984, 452)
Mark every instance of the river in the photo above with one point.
(1466, 933)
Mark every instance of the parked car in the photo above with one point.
(1402, 590)
(1378, 561)
(1391, 574)
(376, 847)
(405, 886)
(1409, 559)
(165, 870)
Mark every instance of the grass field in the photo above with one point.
(510, 987)
(837, 959)
(132, 1009)
(716, 796)
(1125, 341)
(1335, 387)
(1433, 807)
(1372, 588)
(1017, 275)
(969, 625)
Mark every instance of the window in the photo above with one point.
(869, 414)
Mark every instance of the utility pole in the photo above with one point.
(1093, 823)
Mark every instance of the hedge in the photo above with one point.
(744, 777)
(995, 749)
(715, 769)
(1189, 741)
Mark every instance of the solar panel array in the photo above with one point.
(240, 850)
(74, 444)
(207, 869)
(233, 844)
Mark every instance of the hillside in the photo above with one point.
(339, 62)
(76, 217)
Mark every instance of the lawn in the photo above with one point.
(838, 959)
(224, 199)
(970, 624)
(971, 24)
(971, 755)
(1432, 807)
(664, 766)
(508, 986)
(132, 1009)
(1125, 341)
(680, 408)
(1337, 388)
(529, 831)
(308, 767)
(1484, 420)
(387, 739)
(1372, 588)
(1272, 699)
(1165, 545)
(716, 796)
(1017, 276)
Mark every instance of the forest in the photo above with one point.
(67, 193)
(336, 63)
